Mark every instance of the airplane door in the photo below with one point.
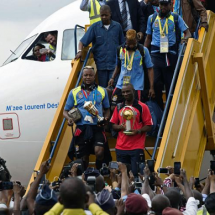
(9, 126)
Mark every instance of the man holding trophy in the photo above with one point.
(131, 120)
(84, 107)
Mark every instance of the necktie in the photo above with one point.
(124, 15)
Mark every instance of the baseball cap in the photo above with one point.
(171, 211)
(105, 200)
(46, 196)
(136, 204)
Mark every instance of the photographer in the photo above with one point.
(89, 135)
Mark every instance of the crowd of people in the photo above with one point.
(135, 47)
(89, 193)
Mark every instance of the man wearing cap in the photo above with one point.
(105, 200)
(131, 58)
(163, 35)
(131, 141)
(136, 204)
(105, 35)
(89, 138)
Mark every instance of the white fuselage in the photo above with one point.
(29, 94)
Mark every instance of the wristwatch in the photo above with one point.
(139, 131)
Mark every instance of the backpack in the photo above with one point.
(177, 30)
(194, 12)
(156, 114)
(142, 52)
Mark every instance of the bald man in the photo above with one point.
(105, 35)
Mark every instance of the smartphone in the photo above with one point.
(138, 185)
(212, 166)
(163, 170)
(43, 50)
(151, 165)
(113, 165)
(6, 185)
(197, 183)
(177, 167)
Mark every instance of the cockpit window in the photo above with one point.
(21, 48)
(44, 48)
(68, 49)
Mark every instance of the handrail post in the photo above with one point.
(198, 58)
(75, 36)
(169, 99)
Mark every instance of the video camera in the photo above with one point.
(4, 172)
(105, 170)
(66, 169)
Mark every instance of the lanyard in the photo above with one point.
(165, 26)
(86, 98)
(130, 60)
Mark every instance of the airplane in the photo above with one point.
(31, 90)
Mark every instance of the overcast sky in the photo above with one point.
(19, 17)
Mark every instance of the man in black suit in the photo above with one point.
(129, 14)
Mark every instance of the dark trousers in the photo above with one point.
(131, 157)
(163, 74)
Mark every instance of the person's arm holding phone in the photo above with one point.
(44, 168)
(125, 182)
(145, 186)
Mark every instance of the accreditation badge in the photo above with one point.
(126, 79)
(164, 44)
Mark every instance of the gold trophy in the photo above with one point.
(90, 107)
(128, 115)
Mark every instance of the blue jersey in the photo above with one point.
(137, 73)
(154, 30)
(77, 99)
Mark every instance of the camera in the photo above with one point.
(151, 165)
(212, 167)
(6, 185)
(56, 183)
(197, 183)
(113, 165)
(138, 185)
(177, 167)
(163, 170)
(104, 170)
(141, 164)
(91, 182)
(4, 172)
(66, 169)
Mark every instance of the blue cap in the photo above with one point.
(46, 196)
(105, 200)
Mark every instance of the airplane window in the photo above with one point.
(16, 54)
(68, 50)
(44, 48)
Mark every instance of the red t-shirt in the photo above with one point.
(125, 142)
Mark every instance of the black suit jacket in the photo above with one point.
(136, 14)
(147, 10)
